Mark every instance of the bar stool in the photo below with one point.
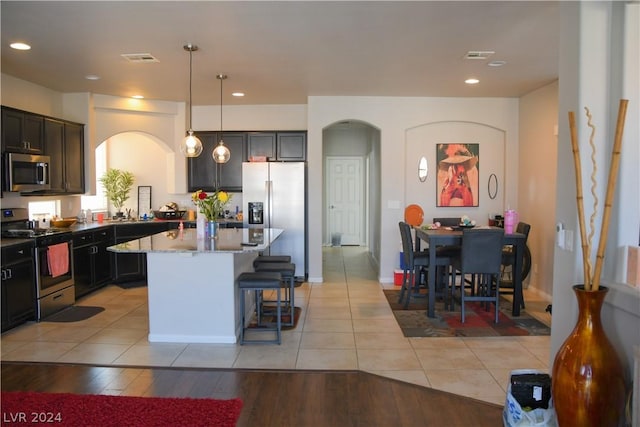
(258, 282)
(287, 270)
(271, 258)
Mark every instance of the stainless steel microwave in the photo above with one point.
(27, 172)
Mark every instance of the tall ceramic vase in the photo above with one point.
(588, 384)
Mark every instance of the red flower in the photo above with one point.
(202, 195)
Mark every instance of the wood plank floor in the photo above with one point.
(270, 398)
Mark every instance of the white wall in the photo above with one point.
(394, 116)
(423, 140)
(537, 181)
(599, 47)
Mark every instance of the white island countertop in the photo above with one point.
(192, 292)
(229, 240)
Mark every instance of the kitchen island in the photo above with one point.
(191, 282)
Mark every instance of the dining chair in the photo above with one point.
(508, 260)
(480, 256)
(415, 262)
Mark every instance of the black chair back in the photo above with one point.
(523, 228)
(407, 244)
(481, 250)
(447, 222)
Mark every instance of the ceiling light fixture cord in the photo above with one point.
(221, 154)
(190, 81)
(191, 146)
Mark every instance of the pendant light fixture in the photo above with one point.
(191, 146)
(221, 153)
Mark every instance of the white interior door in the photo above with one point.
(345, 199)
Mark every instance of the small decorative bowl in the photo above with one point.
(63, 223)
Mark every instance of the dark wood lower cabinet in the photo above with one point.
(18, 285)
(133, 267)
(91, 260)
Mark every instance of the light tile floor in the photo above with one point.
(346, 323)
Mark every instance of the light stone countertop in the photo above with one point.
(229, 240)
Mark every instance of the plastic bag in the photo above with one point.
(514, 415)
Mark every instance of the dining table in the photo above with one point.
(449, 236)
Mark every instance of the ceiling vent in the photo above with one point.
(139, 58)
(478, 54)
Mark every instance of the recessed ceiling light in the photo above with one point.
(92, 77)
(472, 81)
(20, 46)
(496, 63)
(137, 96)
(239, 94)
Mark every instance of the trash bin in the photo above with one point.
(336, 239)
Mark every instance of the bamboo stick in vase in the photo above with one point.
(611, 186)
(586, 249)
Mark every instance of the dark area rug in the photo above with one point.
(478, 322)
(65, 409)
(75, 313)
(270, 317)
(132, 285)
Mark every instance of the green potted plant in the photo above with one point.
(117, 184)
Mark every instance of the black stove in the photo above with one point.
(55, 288)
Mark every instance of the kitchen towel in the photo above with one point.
(58, 259)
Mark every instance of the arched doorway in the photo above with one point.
(125, 151)
(351, 185)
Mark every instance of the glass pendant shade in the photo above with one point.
(191, 146)
(221, 153)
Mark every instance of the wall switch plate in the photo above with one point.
(568, 240)
(393, 204)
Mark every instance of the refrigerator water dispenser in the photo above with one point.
(256, 213)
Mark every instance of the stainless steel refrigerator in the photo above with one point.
(274, 196)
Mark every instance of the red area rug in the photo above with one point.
(64, 409)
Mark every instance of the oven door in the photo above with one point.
(54, 273)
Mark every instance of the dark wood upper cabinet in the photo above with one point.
(22, 132)
(277, 146)
(291, 146)
(61, 140)
(54, 148)
(205, 174)
(261, 144)
(74, 157)
(64, 144)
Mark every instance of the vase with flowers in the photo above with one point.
(588, 384)
(211, 209)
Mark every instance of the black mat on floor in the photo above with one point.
(284, 318)
(131, 285)
(75, 313)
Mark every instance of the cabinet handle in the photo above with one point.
(8, 274)
(21, 251)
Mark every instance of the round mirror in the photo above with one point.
(423, 169)
(492, 186)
